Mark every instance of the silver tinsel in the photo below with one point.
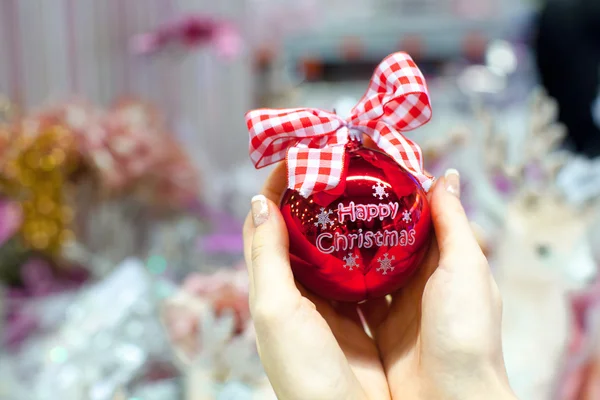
(98, 344)
(109, 333)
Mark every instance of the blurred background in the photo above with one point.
(125, 178)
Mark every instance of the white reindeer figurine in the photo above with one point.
(213, 338)
(541, 252)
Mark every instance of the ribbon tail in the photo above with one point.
(313, 170)
(403, 150)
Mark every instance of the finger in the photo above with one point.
(248, 234)
(406, 302)
(270, 263)
(429, 264)
(274, 186)
(452, 228)
(276, 183)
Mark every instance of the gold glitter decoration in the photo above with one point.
(34, 171)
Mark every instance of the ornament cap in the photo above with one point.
(355, 135)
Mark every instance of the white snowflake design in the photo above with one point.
(323, 218)
(380, 191)
(350, 260)
(385, 264)
(406, 216)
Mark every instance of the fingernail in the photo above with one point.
(260, 210)
(452, 182)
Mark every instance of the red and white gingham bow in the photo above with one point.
(314, 140)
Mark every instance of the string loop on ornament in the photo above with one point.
(355, 134)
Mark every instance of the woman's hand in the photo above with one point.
(440, 337)
(310, 348)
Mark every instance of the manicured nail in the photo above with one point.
(260, 210)
(452, 182)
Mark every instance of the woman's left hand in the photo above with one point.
(310, 348)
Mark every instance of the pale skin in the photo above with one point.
(439, 338)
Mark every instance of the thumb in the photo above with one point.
(455, 237)
(270, 262)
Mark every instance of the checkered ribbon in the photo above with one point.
(313, 141)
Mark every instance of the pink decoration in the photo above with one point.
(226, 290)
(191, 32)
(228, 42)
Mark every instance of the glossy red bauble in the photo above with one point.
(366, 242)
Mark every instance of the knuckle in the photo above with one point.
(266, 312)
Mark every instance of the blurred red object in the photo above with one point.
(474, 46)
(312, 68)
(352, 48)
(413, 45)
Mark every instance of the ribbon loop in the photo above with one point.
(397, 95)
(273, 132)
(313, 140)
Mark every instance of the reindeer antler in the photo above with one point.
(488, 151)
(546, 136)
(436, 148)
(494, 144)
(539, 146)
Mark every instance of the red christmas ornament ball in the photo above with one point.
(366, 242)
